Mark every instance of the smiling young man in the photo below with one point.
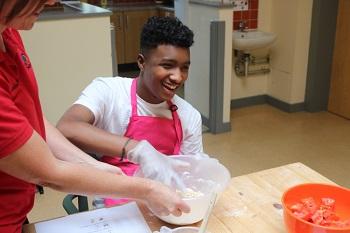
(114, 115)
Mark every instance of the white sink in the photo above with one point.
(250, 40)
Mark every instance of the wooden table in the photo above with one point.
(251, 203)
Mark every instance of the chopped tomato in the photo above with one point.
(303, 214)
(322, 214)
(310, 204)
(317, 217)
(327, 203)
(297, 207)
(330, 215)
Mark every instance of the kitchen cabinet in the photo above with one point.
(117, 21)
(128, 25)
(65, 63)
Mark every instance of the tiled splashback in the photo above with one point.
(250, 16)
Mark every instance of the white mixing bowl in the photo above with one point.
(203, 176)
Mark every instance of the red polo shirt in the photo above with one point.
(20, 114)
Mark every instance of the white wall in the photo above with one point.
(282, 53)
(67, 55)
(287, 80)
(301, 52)
(197, 86)
(291, 21)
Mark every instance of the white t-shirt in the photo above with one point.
(110, 101)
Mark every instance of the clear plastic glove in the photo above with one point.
(157, 166)
(201, 156)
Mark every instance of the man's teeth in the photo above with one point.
(171, 87)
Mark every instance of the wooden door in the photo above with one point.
(134, 21)
(117, 20)
(339, 98)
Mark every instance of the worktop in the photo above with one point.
(74, 10)
(213, 3)
(81, 9)
(129, 7)
(138, 6)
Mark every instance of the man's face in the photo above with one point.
(163, 71)
(27, 17)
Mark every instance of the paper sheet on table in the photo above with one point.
(119, 219)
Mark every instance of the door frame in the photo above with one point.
(322, 38)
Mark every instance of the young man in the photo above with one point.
(114, 114)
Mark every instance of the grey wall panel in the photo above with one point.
(216, 93)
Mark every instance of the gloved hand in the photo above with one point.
(201, 155)
(157, 166)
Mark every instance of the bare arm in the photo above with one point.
(65, 150)
(76, 125)
(34, 163)
(62, 148)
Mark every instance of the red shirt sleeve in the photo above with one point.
(15, 129)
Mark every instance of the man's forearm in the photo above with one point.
(62, 148)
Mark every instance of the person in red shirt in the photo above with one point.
(32, 151)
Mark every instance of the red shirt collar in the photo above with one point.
(5, 57)
(3, 54)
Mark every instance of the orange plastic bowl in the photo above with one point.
(317, 191)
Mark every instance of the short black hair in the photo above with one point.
(165, 31)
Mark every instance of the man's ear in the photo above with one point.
(141, 62)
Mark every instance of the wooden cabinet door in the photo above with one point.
(117, 20)
(133, 23)
(339, 98)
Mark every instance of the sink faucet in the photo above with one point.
(242, 26)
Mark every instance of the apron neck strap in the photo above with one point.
(133, 97)
(177, 126)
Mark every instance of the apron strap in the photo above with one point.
(177, 126)
(133, 97)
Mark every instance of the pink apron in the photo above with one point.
(164, 134)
